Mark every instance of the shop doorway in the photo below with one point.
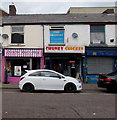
(35, 63)
(65, 66)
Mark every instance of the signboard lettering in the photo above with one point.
(23, 53)
(64, 49)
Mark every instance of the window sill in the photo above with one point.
(56, 44)
(102, 45)
(17, 44)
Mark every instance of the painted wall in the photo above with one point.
(110, 31)
(83, 32)
(0, 35)
(76, 10)
(0, 53)
(33, 37)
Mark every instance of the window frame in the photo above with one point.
(59, 29)
(98, 30)
(19, 32)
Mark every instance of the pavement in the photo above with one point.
(87, 86)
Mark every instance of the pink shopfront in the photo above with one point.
(16, 61)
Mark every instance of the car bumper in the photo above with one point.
(79, 87)
(103, 84)
(20, 86)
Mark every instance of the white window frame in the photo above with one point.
(15, 44)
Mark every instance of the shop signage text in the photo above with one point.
(102, 53)
(23, 53)
(64, 49)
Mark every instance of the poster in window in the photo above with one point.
(17, 70)
(57, 36)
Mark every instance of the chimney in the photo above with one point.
(12, 10)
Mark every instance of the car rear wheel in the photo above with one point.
(111, 89)
(70, 87)
(28, 87)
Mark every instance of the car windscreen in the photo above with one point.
(112, 73)
(24, 72)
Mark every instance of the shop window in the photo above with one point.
(16, 67)
(97, 33)
(17, 35)
(57, 35)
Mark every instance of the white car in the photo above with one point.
(44, 79)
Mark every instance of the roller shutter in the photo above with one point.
(96, 65)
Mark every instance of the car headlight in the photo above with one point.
(79, 80)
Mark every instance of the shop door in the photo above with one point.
(35, 63)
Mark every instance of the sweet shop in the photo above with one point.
(16, 61)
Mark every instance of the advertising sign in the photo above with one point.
(64, 49)
(57, 36)
(23, 53)
(17, 70)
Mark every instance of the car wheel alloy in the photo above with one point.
(70, 87)
(28, 87)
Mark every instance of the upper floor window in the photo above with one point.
(17, 35)
(97, 34)
(57, 35)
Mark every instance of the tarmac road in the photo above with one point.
(92, 102)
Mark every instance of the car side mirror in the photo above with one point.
(59, 77)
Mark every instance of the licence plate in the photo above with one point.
(101, 79)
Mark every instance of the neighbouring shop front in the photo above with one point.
(100, 60)
(0, 63)
(16, 61)
(65, 60)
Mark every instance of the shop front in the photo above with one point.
(100, 60)
(65, 60)
(0, 63)
(16, 61)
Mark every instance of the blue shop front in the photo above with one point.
(99, 60)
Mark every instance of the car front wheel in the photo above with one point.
(28, 87)
(70, 87)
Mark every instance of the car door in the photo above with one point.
(52, 81)
(36, 79)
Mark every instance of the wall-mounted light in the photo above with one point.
(74, 35)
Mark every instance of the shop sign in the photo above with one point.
(102, 53)
(96, 41)
(72, 61)
(23, 53)
(64, 49)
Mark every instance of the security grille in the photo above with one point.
(96, 65)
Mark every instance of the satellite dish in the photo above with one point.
(74, 35)
(5, 36)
